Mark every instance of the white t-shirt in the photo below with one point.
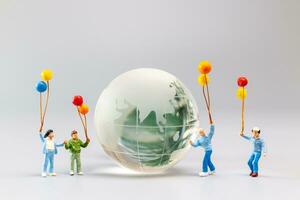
(50, 144)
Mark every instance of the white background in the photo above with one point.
(88, 43)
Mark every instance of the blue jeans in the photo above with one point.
(207, 162)
(49, 158)
(253, 161)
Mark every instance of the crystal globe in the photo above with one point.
(144, 120)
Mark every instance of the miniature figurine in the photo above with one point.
(49, 149)
(258, 147)
(74, 145)
(205, 142)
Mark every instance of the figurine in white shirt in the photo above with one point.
(49, 149)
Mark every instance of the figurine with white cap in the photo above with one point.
(205, 142)
(258, 148)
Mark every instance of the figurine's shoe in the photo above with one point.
(80, 173)
(44, 174)
(72, 173)
(212, 172)
(203, 174)
(251, 174)
(254, 174)
(52, 174)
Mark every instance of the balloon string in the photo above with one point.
(41, 111)
(81, 120)
(85, 130)
(206, 103)
(46, 106)
(209, 112)
(207, 99)
(243, 110)
(208, 96)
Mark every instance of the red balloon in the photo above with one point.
(242, 81)
(77, 100)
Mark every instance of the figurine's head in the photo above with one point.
(201, 132)
(74, 135)
(255, 132)
(49, 134)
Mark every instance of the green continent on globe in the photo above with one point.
(153, 142)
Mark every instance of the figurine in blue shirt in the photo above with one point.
(258, 147)
(205, 142)
(49, 149)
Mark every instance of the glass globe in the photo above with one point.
(144, 120)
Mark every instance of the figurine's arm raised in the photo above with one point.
(85, 144)
(212, 131)
(41, 137)
(246, 137)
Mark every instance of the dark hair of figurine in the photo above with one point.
(73, 132)
(48, 133)
(257, 131)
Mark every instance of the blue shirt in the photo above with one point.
(258, 144)
(205, 141)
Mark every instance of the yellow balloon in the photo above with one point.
(83, 109)
(203, 79)
(241, 93)
(47, 75)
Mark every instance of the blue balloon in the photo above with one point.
(41, 86)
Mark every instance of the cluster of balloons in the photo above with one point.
(242, 94)
(241, 91)
(44, 86)
(82, 107)
(204, 68)
(82, 110)
(41, 87)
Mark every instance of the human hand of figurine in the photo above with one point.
(88, 139)
(191, 143)
(65, 142)
(241, 133)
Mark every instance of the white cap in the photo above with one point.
(255, 128)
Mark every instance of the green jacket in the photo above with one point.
(75, 145)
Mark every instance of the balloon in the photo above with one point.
(41, 86)
(240, 94)
(47, 75)
(83, 109)
(203, 79)
(204, 67)
(77, 100)
(242, 81)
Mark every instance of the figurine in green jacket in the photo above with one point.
(74, 145)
